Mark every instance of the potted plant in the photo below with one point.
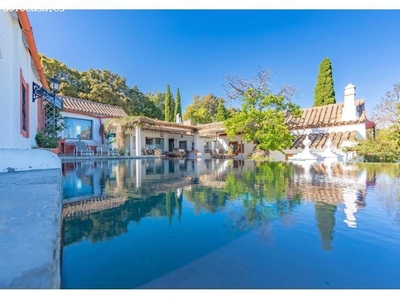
(48, 137)
(123, 152)
(47, 140)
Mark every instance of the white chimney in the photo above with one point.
(349, 112)
(178, 118)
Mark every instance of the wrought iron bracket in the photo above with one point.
(40, 92)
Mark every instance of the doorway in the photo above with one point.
(170, 145)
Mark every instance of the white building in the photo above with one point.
(85, 120)
(20, 67)
(339, 124)
(31, 201)
(329, 129)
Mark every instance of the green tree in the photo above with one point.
(384, 145)
(158, 99)
(202, 110)
(222, 112)
(138, 104)
(262, 116)
(101, 86)
(197, 114)
(324, 92)
(168, 102)
(70, 79)
(105, 87)
(177, 108)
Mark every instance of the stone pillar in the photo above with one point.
(131, 143)
(138, 137)
(196, 141)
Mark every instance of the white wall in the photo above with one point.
(131, 144)
(361, 134)
(223, 143)
(15, 57)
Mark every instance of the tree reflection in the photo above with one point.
(325, 216)
(262, 192)
(250, 196)
(206, 198)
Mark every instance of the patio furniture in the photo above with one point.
(113, 152)
(158, 152)
(218, 153)
(106, 150)
(147, 151)
(81, 148)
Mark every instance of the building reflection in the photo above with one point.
(104, 196)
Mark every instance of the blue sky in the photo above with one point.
(194, 50)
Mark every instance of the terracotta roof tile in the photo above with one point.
(85, 106)
(325, 116)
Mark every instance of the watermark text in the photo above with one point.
(35, 10)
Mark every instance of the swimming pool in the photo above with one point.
(168, 223)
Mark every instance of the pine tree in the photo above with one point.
(178, 108)
(169, 117)
(324, 92)
(222, 113)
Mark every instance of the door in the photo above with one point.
(171, 145)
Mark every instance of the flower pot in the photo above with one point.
(54, 150)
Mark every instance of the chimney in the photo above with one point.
(349, 112)
(178, 118)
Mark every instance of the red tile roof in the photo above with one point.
(325, 116)
(84, 106)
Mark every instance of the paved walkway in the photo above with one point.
(30, 210)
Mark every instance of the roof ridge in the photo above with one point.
(333, 104)
(84, 100)
(318, 107)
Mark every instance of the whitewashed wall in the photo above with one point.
(361, 134)
(130, 141)
(223, 143)
(15, 57)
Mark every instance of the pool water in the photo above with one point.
(168, 223)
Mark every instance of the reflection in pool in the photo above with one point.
(229, 224)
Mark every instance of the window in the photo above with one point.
(182, 144)
(155, 143)
(24, 114)
(149, 142)
(24, 107)
(237, 148)
(78, 127)
(207, 147)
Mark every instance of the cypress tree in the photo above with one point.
(178, 108)
(324, 92)
(222, 113)
(168, 103)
